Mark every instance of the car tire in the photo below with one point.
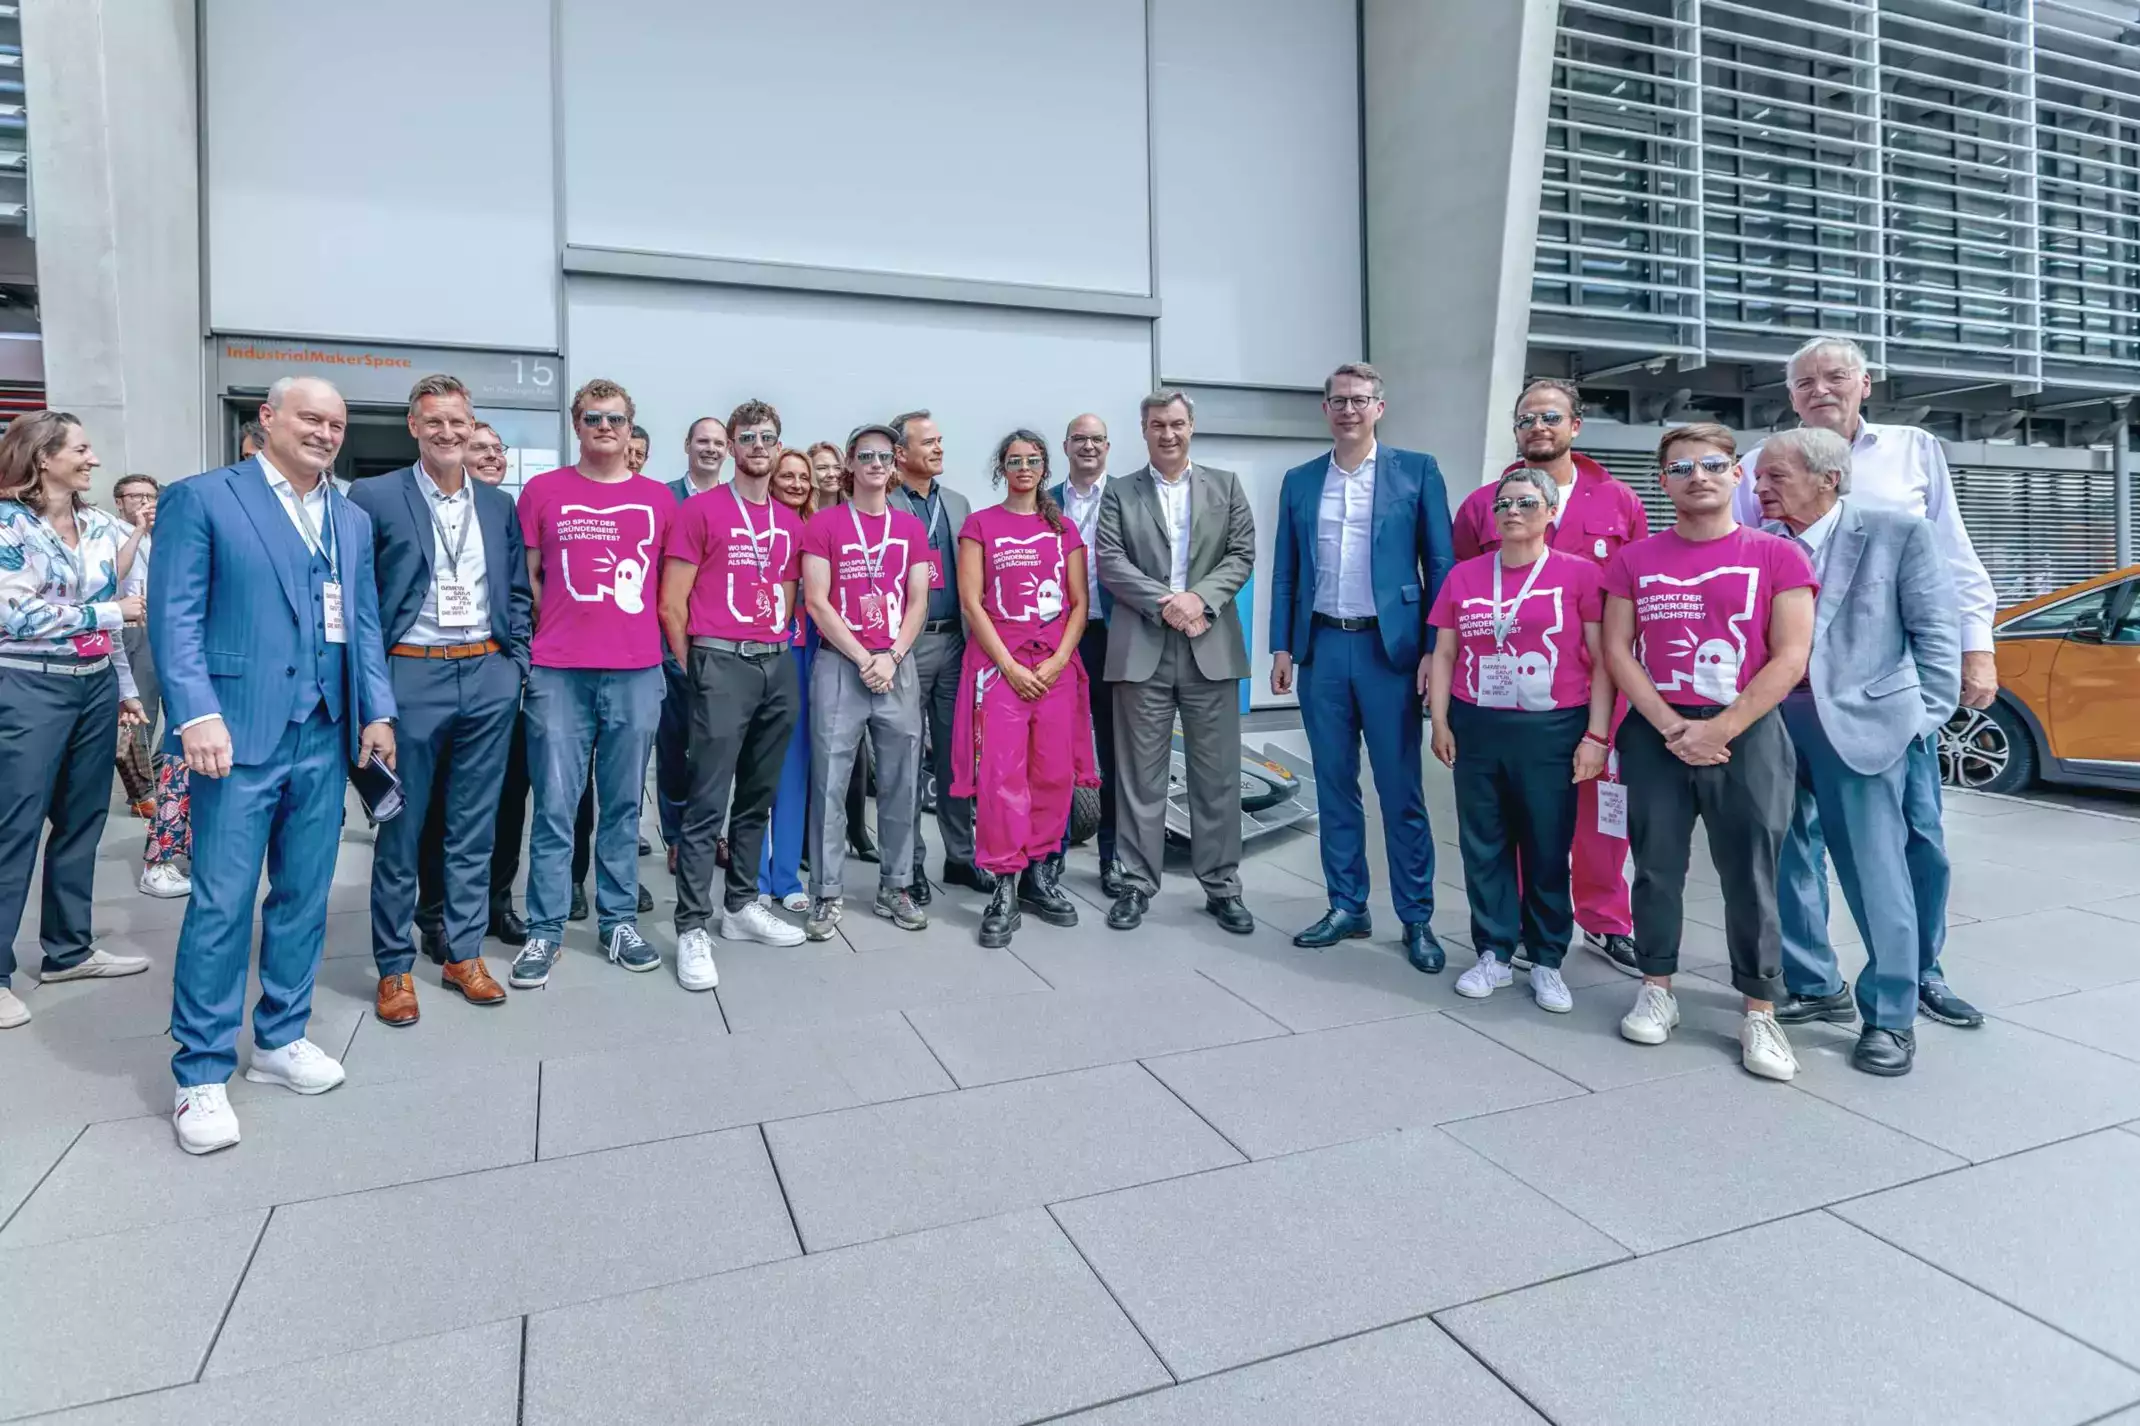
(1084, 815)
(1988, 750)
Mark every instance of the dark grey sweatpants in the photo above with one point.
(742, 713)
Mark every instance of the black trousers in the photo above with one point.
(1745, 805)
(1515, 825)
(510, 835)
(743, 712)
(1092, 652)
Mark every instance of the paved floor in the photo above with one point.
(1173, 1177)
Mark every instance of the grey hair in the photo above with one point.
(1540, 480)
(1161, 399)
(1816, 448)
(899, 425)
(1853, 354)
(283, 385)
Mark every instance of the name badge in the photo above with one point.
(1497, 681)
(1612, 810)
(936, 570)
(456, 604)
(92, 646)
(331, 605)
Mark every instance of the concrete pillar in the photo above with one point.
(115, 179)
(1455, 97)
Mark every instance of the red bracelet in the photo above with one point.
(1590, 737)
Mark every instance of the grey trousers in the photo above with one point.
(936, 662)
(840, 709)
(1211, 738)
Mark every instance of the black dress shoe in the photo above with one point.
(508, 927)
(919, 890)
(1230, 914)
(579, 905)
(859, 846)
(1943, 1005)
(1422, 950)
(1127, 914)
(1336, 926)
(1038, 893)
(968, 875)
(1112, 881)
(1000, 921)
(646, 848)
(1884, 1052)
(646, 901)
(1840, 1008)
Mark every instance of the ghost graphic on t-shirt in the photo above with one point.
(1716, 671)
(1048, 600)
(1534, 682)
(627, 582)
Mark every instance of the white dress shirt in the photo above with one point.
(1083, 511)
(453, 513)
(137, 578)
(1814, 539)
(315, 506)
(1905, 468)
(1344, 540)
(1174, 509)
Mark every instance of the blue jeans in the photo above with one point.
(572, 713)
(780, 866)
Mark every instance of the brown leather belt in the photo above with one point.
(445, 651)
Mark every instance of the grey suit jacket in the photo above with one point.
(956, 509)
(1136, 557)
(1887, 638)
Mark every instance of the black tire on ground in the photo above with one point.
(1084, 815)
(1991, 750)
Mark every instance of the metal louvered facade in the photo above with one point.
(14, 127)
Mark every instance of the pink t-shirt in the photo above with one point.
(872, 603)
(1544, 663)
(1025, 566)
(744, 553)
(1702, 607)
(601, 547)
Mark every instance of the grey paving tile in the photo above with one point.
(127, 1174)
(922, 1163)
(101, 1317)
(1659, 1164)
(2054, 1231)
(2128, 1417)
(420, 1258)
(1996, 984)
(1408, 1375)
(1585, 1044)
(26, 1155)
(1345, 985)
(1997, 894)
(1983, 1093)
(470, 1377)
(2107, 1019)
(1730, 1305)
(1237, 1264)
(1095, 958)
(2125, 908)
(991, 1321)
(982, 1042)
(630, 1096)
(815, 986)
(2071, 946)
(1328, 1086)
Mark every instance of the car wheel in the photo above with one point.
(1987, 750)
(1084, 815)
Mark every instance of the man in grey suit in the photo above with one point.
(1176, 543)
(1886, 672)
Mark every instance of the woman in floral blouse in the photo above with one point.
(65, 690)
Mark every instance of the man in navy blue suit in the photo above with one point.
(455, 611)
(1362, 546)
(265, 623)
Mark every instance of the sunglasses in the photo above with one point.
(1525, 503)
(757, 438)
(1038, 463)
(596, 420)
(1545, 418)
(872, 457)
(1713, 464)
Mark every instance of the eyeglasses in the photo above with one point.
(596, 420)
(1525, 503)
(1713, 464)
(871, 457)
(1088, 440)
(1348, 403)
(757, 438)
(138, 495)
(1039, 463)
(1545, 418)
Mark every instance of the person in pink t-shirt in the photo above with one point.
(728, 607)
(1522, 705)
(1022, 737)
(1707, 627)
(594, 533)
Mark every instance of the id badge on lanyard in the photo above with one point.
(936, 557)
(332, 617)
(456, 597)
(1497, 670)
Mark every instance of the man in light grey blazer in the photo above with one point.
(1886, 672)
(1176, 541)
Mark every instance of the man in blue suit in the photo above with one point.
(1363, 544)
(264, 618)
(455, 608)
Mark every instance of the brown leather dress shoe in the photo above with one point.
(473, 980)
(397, 1000)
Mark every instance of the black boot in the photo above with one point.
(1001, 919)
(1038, 892)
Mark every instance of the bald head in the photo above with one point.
(304, 421)
(1085, 446)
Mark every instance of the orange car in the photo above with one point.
(2068, 708)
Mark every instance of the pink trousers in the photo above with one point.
(1027, 769)
(1599, 863)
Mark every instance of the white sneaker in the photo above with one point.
(757, 922)
(99, 965)
(1652, 1020)
(202, 1117)
(165, 881)
(796, 901)
(1763, 1049)
(1483, 979)
(694, 961)
(299, 1065)
(1550, 991)
(12, 1011)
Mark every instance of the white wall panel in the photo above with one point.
(381, 170)
(1261, 464)
(832, 363)
(961, 138)
(1256, 157)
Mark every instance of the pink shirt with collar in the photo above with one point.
(1601, 515)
